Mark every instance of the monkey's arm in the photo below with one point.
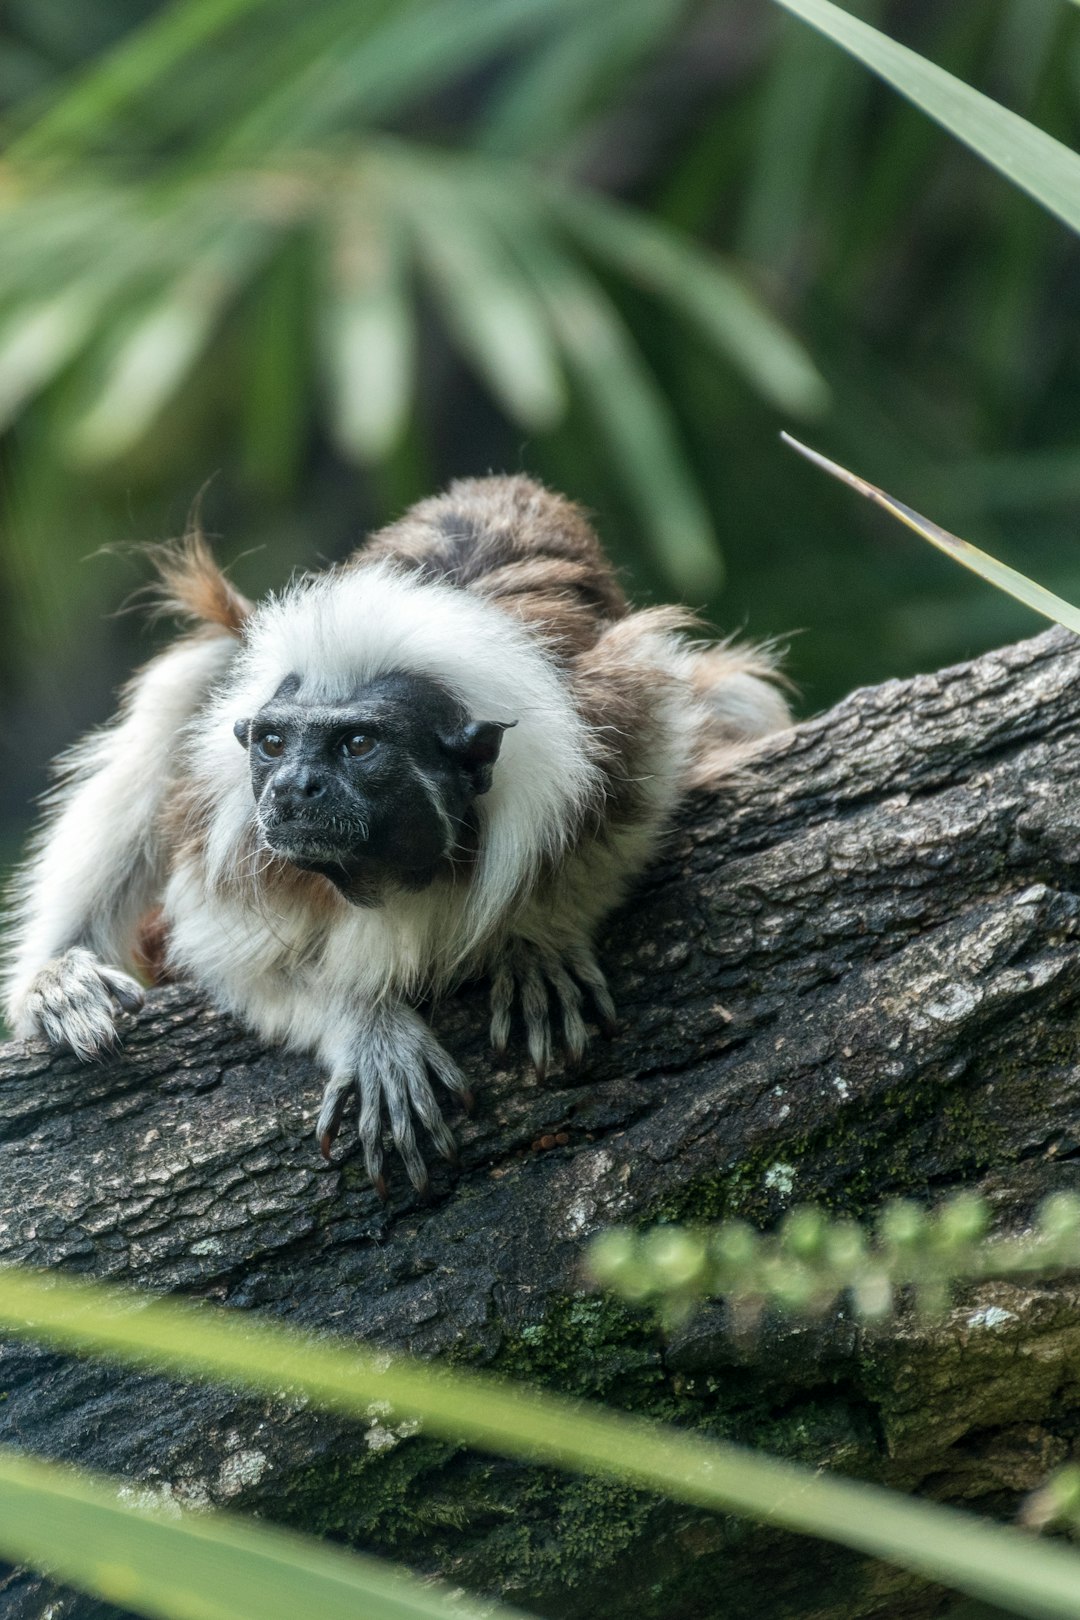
(98, 863)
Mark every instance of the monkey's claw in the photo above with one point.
(542, 980)
(389, 1066)
(74, 1002)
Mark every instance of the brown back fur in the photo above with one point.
(524, 548)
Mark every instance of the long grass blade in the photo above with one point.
(979, 562)
(145, 372)
(76, 1526)
(987, 1561)
(1031, 159)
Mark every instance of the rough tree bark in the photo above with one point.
(853, 976)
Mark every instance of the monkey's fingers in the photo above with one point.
(369, 1128)
(73, 1002)
(125, 990)
(442, 1066)
(445, 1069)
(543, 977)
(570, 998)
(397, 1083)
(534, 1005)
(429, 1113)
(335, 1100)
(502, 1006)
(587, 969)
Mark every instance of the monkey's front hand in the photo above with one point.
(538, 977)
(74, 1001)
(387, 1057)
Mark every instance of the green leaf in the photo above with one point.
(800, 110)
(1031, 159)
(979, 562)
(717, 300)
(984, 1560)
(144, 373)
(152, 357)
(368, 333)
(276, 404)
(489, 304)
(630, 409)
(127, 1547)
(371, 76)
(38, 341)
(132, 66)
(542, 102)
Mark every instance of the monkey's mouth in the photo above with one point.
(305, 843)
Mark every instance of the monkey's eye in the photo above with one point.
(272, 745)
(358, 745)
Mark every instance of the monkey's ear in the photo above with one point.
(241, 731)
(477, 746)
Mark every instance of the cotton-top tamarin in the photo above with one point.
(448, 757)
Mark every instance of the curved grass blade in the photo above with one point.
(996, 573)
(988, 1561)
(147, 369)
(718, 301)
(76, 1527)
(1031, 159)
(50, 235)
(803, 103)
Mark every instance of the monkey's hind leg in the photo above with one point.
(538, 977)
(387, 1059)
(741, 702)
(74, 1001)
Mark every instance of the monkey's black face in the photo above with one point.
(372, 791)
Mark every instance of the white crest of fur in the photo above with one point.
(341, 629)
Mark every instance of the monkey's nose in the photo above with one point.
(299, 787)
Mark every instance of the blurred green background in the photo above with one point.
(320, 258)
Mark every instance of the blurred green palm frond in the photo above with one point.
(62, 1520)
(267, 239)
(154, 196)
(135, 1547)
